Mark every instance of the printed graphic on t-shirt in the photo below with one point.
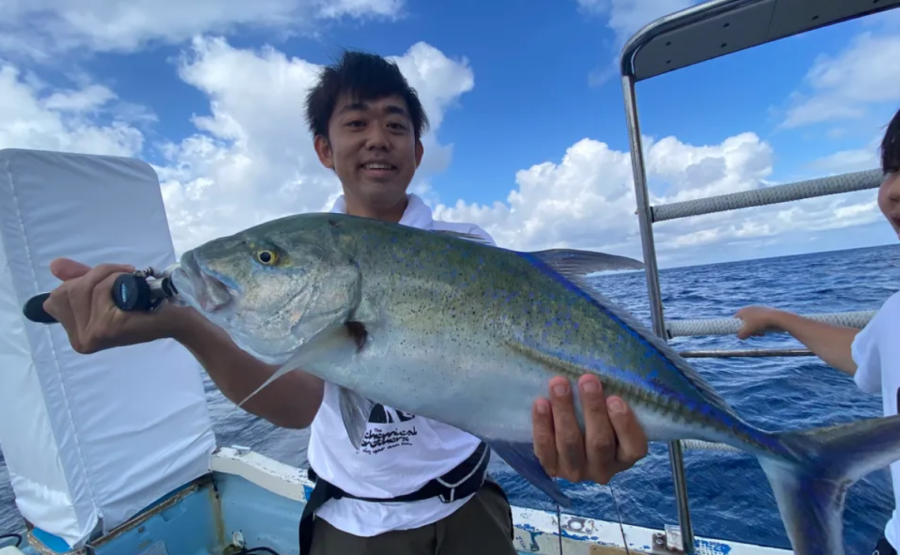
(395, 429)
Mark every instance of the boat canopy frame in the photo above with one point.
(697, 34)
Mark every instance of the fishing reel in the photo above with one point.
(141, 290)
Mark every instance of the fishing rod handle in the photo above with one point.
(130, 293)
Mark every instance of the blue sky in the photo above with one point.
(514, 87)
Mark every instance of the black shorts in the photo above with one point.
(883, 547)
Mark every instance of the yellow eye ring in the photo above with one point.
(267, 257)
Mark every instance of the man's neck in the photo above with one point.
(388, 213)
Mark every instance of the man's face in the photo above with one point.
(889, 200)
(373, 149)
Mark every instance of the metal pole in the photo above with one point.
(656, 309)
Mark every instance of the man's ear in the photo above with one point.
(323, 151)
(420, 151)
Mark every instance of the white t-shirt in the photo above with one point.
(876, 352)
(401, 452)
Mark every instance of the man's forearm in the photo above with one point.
(830, 343)
(290, 402)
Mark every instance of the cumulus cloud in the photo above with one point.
(624, 18)
(252, 159)
(846, 85)
(31, 116)
(41, 28)
(587, 201)
(853, 160)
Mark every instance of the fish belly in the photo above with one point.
(485, 388)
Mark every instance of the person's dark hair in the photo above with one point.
(890, 146)
(364, 77)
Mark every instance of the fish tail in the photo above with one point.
(811, 484)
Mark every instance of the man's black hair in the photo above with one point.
(890, 146)
(364, 77)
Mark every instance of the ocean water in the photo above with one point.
(729, 495)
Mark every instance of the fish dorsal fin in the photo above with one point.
(461, 235)
(566, 261)
(577, 262)
(574, 275)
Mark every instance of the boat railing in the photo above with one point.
(775, 194)
(697, 34)
(670, 329)
(731, 326)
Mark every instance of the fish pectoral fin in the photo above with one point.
(355, 411)
(571, 262)
(521, 457)
(335, 344)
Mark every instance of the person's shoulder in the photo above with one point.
(888, 313)
(462, 227)
(878, 334)
(893, 303)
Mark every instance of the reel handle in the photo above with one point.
(130, 293)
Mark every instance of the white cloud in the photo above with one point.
(252, 158)
(40, 28)
(587, 201)
(32, 117)
(846, 161)
(357, 8)
(626, 17)
(844, 86)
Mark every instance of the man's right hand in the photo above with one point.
(83, 305)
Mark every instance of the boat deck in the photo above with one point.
(250, 503)
(254, 502)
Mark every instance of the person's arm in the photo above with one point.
(830, 343)
(84, 308)
(291, 401)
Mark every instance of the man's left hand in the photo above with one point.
(613, 440)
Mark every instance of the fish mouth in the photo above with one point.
(200, 287)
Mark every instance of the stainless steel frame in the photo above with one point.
(712, 29)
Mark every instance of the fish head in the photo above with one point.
(270, 287)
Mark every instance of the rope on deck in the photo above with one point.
(849, 182)
(730, 326)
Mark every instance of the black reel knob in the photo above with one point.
(131, 293)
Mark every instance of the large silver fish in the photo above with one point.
(468, 334)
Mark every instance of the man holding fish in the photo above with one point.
(408, 484)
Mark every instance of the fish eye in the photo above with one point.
(267, 257)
